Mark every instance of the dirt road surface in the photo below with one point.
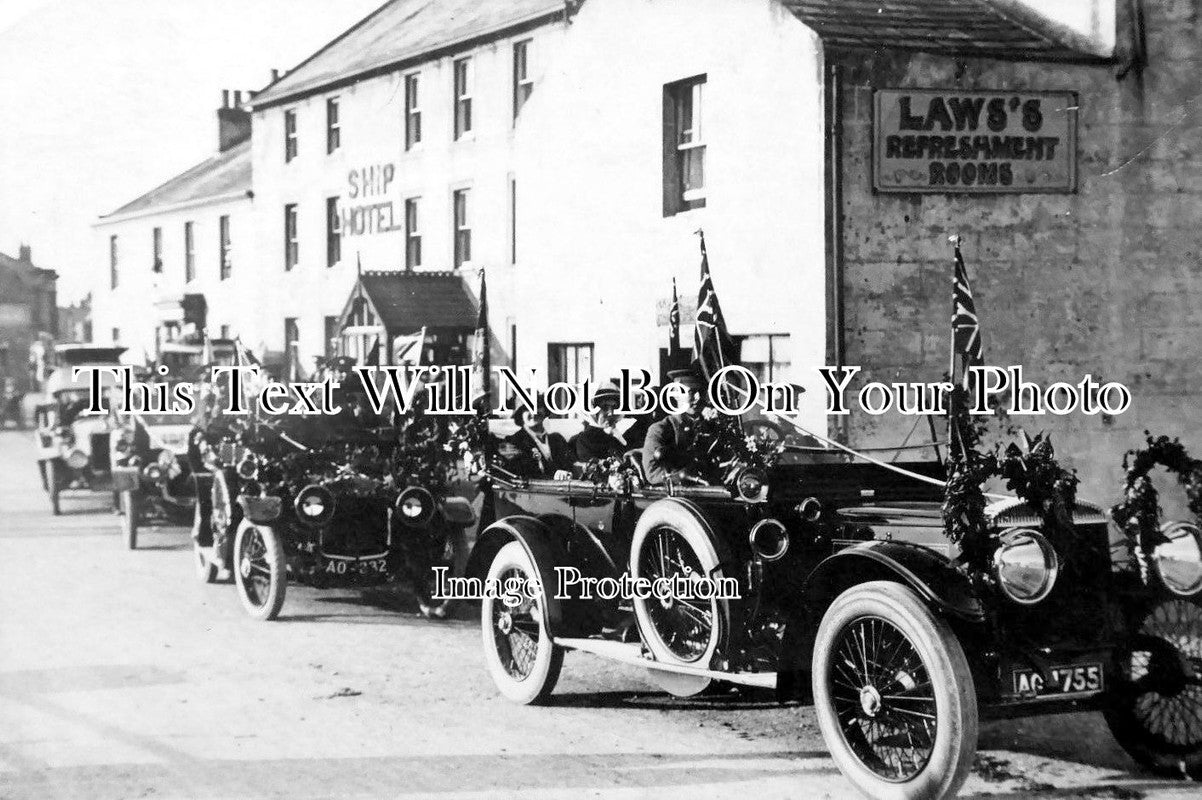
(121, 676)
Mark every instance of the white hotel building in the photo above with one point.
(569, 149)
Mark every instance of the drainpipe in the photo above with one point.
(835, 343)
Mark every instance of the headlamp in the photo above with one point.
(77, 459)
(1025, 565)
(751, 486)
(248, 468)
(1179, 560)
(415, 506)
(314, 505)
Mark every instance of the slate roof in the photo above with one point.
(217, 176)
(407, 301)
(402, 31)
(985, 28)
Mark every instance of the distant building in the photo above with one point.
(75, 321)
(28, 312)
(179, 258)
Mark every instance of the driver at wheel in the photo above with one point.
(669, 451)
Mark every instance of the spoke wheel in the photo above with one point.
(225, 517)
(688, 625)
(1154, 704)
(521, 658)
(893, 694)
(684, 624)
(259, 570)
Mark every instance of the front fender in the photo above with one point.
(545, 552)
(933, 577)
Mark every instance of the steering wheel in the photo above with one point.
(764, 431)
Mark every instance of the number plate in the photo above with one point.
(1059, 681)
(367, 568)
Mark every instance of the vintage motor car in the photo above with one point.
(152, 474)
(324, 508)
(154, 454)
(73, 447)
(847, 593)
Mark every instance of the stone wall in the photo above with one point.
(1105, 281)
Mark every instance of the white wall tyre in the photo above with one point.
(206, 570)
(521, 659)
(894, 695)
(672, 540)
(225, 517)
(260, 572)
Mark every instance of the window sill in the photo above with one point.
(685, 207)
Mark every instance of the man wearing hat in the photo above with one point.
(532, 451)
(668, 450)
(600, 438)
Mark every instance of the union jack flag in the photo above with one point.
(966, 328)
(674, 330)
(245, 358)
(711, 340)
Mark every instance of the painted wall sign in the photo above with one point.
(948, 141)
(366, 210)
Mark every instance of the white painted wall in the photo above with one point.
(131, 307)
(371, 115)
(595, 250)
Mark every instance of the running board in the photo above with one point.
(630, 653)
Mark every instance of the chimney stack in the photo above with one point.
(233, 122)
(25, 254)
(275, 75)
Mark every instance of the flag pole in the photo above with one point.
(955, 442)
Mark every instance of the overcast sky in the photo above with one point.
(105, 99)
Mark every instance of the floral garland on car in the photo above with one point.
(1031, 472)
(724, 448)
(1138, 515)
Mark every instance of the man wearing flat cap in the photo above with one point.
(600, 438)
(668, 451)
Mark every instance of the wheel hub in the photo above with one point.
(870, 701)
(244, 567)
(505, 622)
(667, 602)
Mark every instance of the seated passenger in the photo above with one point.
(532, 452)
(668, 451)
(600, 438)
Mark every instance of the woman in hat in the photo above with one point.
(533, 451)
(600, 438)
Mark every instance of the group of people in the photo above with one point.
(663, 447)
